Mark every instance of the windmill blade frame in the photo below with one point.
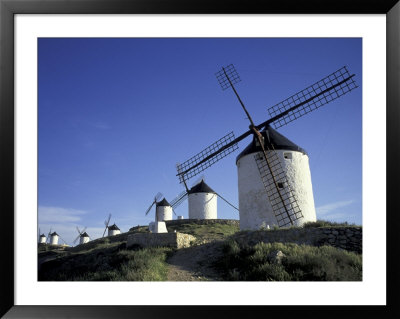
(279, 191)
(63, 240)
(178, 200)
(150, 207)
(48, 236)
(75, 240)
(209, 156)
(158, 197)
(106, 223)
(311, 98)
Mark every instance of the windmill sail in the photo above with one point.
(207, 157)
(279, 192)
(179, 199)
(155, 200)
(311, 98)
(106, 224)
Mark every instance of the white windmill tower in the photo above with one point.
(163, 210)
(202, 200)
(82, 236)
(113, 229)
(274, 179)
(54, 237)
(163, 213)
(42, 238)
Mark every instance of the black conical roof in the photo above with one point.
(201, 187)
(113, 227)
(85, 234)
(272, 140)
(54, 234)
(42, 235)
(163, 202)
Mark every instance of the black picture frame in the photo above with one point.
(8, 8)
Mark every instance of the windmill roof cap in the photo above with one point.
(54, 234)
(42, 235)
(85, 234)
(272, 139)
(201, 187)
(113, 227)
(163, 202)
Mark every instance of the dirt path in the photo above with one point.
(195, 263)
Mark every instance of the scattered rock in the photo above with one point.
(276, 257)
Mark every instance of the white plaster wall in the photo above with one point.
(164, 213)
(42, 240)
(160, 227)
(83, 240)
(54, 240)
(254, 207)
(202, 205)
(113, 232)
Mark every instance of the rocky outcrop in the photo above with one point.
(174, 240)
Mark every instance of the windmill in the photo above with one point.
(163, 208)
(54, 238)
(82, 236)
(106, 222)
(274, 178)
(42, 238)
(202, 200)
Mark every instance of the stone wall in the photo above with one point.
(349, 238)
(176, 222)
(174, 240)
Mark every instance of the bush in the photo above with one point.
(300, 263)
(108, 262)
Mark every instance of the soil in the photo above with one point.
(195, 263)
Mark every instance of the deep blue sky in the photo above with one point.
(116, 115)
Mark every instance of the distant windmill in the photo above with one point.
(54, 238)
(83, 236)
(113, 230)
(42, 238)
(274, 177)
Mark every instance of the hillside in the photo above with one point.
(220, 252)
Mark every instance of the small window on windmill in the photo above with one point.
(280, 185)
(287, 155)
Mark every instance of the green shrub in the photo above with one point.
(108, 262)
(300, 263)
